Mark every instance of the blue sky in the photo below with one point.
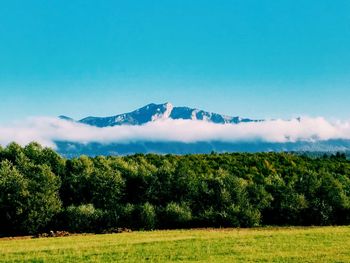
(253, 58)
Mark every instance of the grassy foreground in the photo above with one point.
(319, 244)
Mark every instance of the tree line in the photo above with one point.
(41, 191)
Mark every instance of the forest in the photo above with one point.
(42, 191)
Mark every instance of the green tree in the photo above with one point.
(14, 199)
(76, 181)
(107, 185)
(28, 199)
(176, 215)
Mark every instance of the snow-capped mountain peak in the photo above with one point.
(154, 112)
(163, 112)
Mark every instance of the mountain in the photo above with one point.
(72, 149)
(62, 117)
(152, 112)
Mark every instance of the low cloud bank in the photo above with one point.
(48, 130)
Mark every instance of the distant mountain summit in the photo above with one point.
(153, 112)
(166, 111)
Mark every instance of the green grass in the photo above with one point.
(318, 244)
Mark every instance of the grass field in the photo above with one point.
(319, 244)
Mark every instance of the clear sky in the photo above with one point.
(253, 58)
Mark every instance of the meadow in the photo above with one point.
(283, 244)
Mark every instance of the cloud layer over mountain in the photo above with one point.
(46, 131)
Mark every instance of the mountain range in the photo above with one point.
(153, 112)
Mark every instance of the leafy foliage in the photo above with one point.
(39, 190)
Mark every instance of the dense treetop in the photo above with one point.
(40, 190)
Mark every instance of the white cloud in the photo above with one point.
(46, 130)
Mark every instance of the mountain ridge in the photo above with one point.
(153, 112)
